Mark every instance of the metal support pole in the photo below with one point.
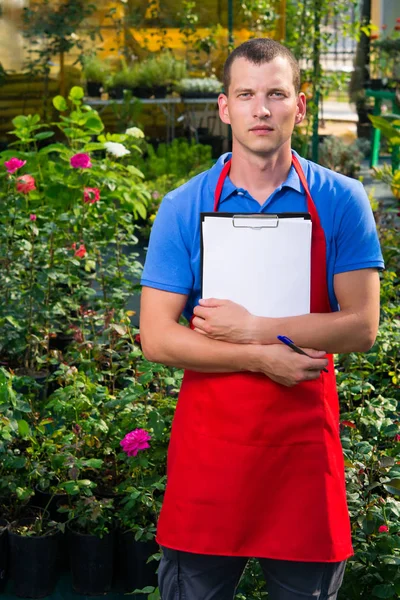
(317, 77)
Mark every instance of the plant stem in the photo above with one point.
(30, 315)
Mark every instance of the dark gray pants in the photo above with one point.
(187, 576)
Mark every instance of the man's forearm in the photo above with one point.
(178, 346)
(334, 332)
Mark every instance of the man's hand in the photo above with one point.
(225, 321)
(288, 368)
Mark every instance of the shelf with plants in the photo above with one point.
(153, 77)
(196, 87)
(96, 73)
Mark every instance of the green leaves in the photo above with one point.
(384, 590)
(23, 428)
(60, 103)
(389, 129)
(393, 487)
(76, 94)
(43, 135)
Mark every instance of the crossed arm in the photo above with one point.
(233, 340)
(352, 329)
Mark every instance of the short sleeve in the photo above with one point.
(357, 242)
(168, 266)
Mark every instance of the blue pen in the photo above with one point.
(288, 342)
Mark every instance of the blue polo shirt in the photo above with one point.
(173, 256)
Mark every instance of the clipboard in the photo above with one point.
(260, 261)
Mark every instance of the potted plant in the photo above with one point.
(136, 517)
(91, 543)
(96, 73)
(127, 78)
(157, 75)
(205, 87)
(34, 541)
(137, 511)
(3, 553)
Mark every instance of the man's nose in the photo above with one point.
(261, 110)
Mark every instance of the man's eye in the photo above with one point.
(244, 94)
(277, 94)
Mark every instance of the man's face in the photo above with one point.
(262, 106)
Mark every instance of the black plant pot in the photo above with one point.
(61, 341)
(33, 564)
(93, 89)
(3, 554)
(159, 91)
(117, 92)
(91, 560)
(200, 95)
(134, 571)
(376, 84)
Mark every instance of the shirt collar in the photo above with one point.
(292, 181)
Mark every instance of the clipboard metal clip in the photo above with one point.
(270, 221)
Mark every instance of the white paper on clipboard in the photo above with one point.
(262, 262)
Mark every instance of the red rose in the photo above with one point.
(25, 184)
(383, 529)
(80, 253)
(348, 424)
(91, 195)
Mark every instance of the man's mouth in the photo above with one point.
(261, 129)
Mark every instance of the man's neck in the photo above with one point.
(260, 175)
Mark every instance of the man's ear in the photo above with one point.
(223, 109)
(301, 108)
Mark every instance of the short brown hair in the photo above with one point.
(259, 51)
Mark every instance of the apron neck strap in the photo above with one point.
(221, 180)
(310, 204)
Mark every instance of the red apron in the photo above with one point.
(255, 468)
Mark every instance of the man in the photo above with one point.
(255, 465)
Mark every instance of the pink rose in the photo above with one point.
(25, 184)
(91, 195)
(80, 161)
(397, 437)
(383, 529)
(80, 253)
(134, 441)
(14, 164)
(32, 217)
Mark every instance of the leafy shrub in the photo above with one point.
(176, 159)
(343, 158)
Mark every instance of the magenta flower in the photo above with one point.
(33, 217)
(134, 441)
(80, 161)
(14, 164)
(383, 529)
